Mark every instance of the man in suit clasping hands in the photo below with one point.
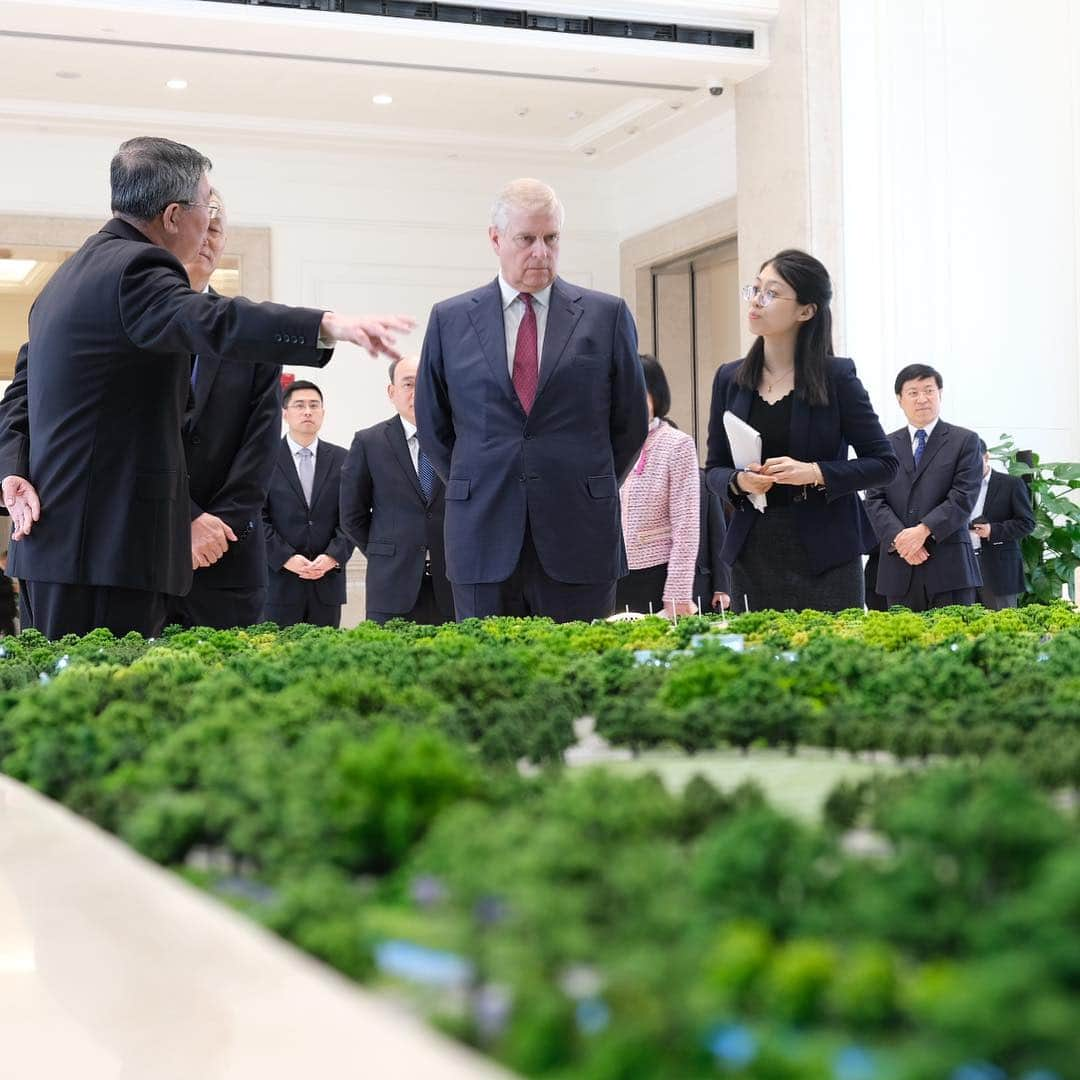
(921, 518)
(306, 549)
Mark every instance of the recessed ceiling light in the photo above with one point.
(69, 74)
(177, 84)
(382, 99)
(674, 106)
(589, 151)
(574, 114)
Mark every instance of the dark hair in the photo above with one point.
(147, 174)
(913, 373)
(982, 448)
(656, 385)
(299, 384)
(810, 280)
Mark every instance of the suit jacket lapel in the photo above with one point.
(486, 315)
(209, 366)
(901, 441)
(322, 467)
(399, 446)
(938, 437)
(563, 313)
(288, 467)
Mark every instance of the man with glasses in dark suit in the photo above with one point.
(91, 443)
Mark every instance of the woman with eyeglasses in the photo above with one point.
(805, 550)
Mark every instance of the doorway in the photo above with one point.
(695, 329)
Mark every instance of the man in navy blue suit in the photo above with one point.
(921, 517)
(230, 433)
(530, 403)
(306, 548)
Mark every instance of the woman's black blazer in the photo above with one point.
(832, 524)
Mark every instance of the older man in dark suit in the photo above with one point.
(306, 548)
(230, 434)
(921, 518)
(392, 508)
(1002, 517)
(91, 447)
(530, 402)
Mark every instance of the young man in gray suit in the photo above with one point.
(922, 517)
(530, 403)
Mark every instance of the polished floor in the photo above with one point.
(112, 969)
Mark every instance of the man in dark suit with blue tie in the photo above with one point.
(230, 434)
(530, 402)
(306, 549)
(392, 508)
(921, 518)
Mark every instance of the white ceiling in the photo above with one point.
(272, 74)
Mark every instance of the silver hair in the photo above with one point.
(147, 174)
(529, 195)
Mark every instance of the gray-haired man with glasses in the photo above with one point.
(91, 450)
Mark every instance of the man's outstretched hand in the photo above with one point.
(372, 332)
(23, 504)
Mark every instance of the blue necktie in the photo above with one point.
(425, 474)
(920, 445)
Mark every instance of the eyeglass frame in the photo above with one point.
(214, 208)
(751, 292)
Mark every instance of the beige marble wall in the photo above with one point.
(789, 148)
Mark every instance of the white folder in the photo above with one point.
(745, 443)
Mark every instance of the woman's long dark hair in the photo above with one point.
(810, 280)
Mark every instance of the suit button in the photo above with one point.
(309, 524)
(294, 339)
(429, 514)
(303, 340)
(528, 436)
(521, 479)
(196, 439)
(277, 338)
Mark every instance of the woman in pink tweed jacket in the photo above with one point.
(661, 509)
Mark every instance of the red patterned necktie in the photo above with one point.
(526, 358)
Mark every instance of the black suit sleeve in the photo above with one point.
(340, 546)
(278, 550)
(629, 422)
(15, 424)
(721, 572)
(356, 491)
(876, 464)
(954, 511)
(1022, 521)
(243, 493)
(434, 417)
(160, 312)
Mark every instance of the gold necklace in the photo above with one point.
(776, 382)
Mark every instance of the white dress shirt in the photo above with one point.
(514, 312)
(977, 511)
(929, 429)
(412, 442)
(295, 448)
